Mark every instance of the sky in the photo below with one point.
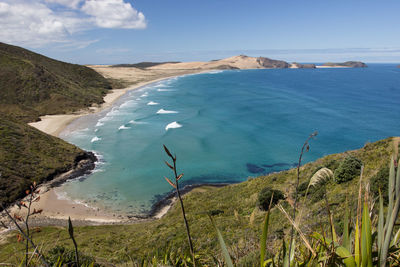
(125, 31)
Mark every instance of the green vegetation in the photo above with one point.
(380, 182)
(348, 169)
(266, 195)
(28, 155)
(240, 223)
(32, 85)
(143, 65)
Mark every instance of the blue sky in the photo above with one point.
(124, 31)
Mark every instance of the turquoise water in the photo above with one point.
(229, 126)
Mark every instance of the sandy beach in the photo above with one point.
(56, 208)
(137, 78)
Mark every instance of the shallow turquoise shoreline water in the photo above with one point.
(227, 126)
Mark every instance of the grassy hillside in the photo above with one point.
(28, 155)
(237, 217)
(33, 85)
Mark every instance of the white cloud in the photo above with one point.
(68, 3)
(37, 23)
(114, 14)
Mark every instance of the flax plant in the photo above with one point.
(176, 186)
(31, 197)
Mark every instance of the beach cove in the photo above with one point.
(241, 169)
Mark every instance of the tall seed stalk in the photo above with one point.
(306, 146)
(176, 186)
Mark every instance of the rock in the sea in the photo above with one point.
(398, 66)
(349, 64)
(271, 63)
(254, 168)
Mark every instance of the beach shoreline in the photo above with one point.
(56, 209)
(55, 124)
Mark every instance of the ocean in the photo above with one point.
(227, 126)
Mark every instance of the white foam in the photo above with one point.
(95, 139)
(129, 103)
(164, 90)
(214, 72)
(161, 85)
(99, 123)
(163, 111)
(61, 195)
(173, 125)
(137, 122)
(144, 95)
(96, 130)
(123, 127)
(151, 103)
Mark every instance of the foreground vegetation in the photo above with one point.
(239, 219)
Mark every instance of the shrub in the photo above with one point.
(66, 257)
(348, 169)
(381, 181)
(264, 197)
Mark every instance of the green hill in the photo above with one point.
(28, 155)
(237, 216)
(32, 85)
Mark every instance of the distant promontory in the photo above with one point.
(238, 62)
(347, 64)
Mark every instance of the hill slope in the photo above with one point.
(33, 85)
(28, 155)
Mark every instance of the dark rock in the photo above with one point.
(254, 168)
(272, 64)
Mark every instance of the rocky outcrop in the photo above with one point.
(296, 65)
(83, 165)
(349, 64)
(271, 63)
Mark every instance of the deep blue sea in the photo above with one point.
(226, 126)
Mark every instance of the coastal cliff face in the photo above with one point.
(271, 63)
(349, 64)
